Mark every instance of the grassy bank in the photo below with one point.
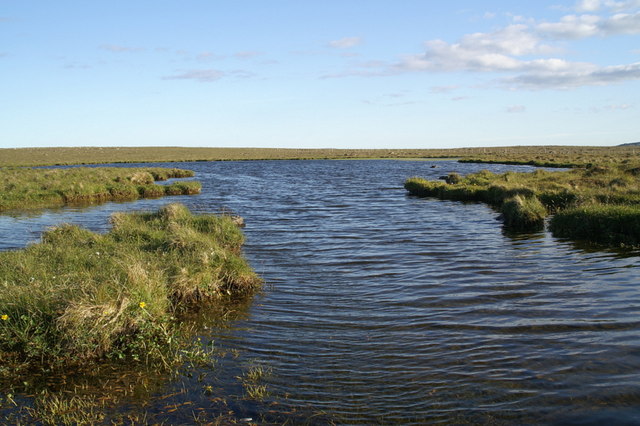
(24, 188)
(598, 204)
(78, 297)
(536, 155)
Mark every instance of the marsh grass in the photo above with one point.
(598, 204)
(25, 188)
(550, 156)
(252, 382)
(78, 297)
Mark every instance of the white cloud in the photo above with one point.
(622, 23)
(346, 42)
(248, 54)
(572, 27)
(588, 75)
(121, 49)
(209, 75)
(206, 56)
(618, 6)
(514, 109)
(619, 107)
(588, 5)
(444, 89)
(521, 52)
(497, 51)
(203, 76)
(583, 26)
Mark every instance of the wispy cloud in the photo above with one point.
(206, 56)
(583, 26)
(588, 5)
(618, 107)
(208, 75)
(588, 75)
(345, 43)
(202, 76)
(443, 89)
(247, 54)
(121, 49)
(614, 5)
(523, 53)
(516, 109)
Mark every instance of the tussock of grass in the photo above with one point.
(79, 296)
(22, 188)
(606, 224)
(599, 204)
(523, 212)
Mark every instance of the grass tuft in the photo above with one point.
(77, 296)
(24, 188)
(606, 224)
(598, 204)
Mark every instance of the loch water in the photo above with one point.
(382, 308)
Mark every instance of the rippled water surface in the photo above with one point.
(384, 308)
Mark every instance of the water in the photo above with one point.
(384, 308)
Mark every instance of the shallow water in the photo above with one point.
(384, 308)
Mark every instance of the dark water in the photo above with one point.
(383, 308)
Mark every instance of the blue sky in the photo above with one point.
(318, 74)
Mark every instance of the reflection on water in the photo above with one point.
(384, 308)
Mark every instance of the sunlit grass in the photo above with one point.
(565, 156)
(25, 188)
(599, 204)
(78, 297)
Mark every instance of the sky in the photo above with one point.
(319, 74)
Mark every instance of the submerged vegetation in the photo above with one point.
(78, 297)
(24, 188)
(597, 204)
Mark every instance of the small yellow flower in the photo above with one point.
(142, 304)
(4, 317)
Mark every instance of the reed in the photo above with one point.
(78, 297)
(26, 188)
(597, 204)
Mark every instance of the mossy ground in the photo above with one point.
(597, 204)
(25, 188)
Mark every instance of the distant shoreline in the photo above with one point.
(548, 156)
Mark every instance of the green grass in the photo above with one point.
(78, 297)
(26, 188)
(564, 156)
(605, 224)
(597, 204)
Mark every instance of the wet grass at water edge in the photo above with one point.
(79, 297)
(26, 188)
(597, 204)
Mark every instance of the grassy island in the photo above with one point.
(78, 297)
(596, 204)
(25, 188)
